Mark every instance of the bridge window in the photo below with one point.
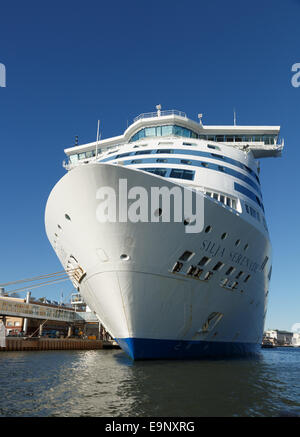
(167, 130)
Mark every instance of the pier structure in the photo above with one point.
(38, 315)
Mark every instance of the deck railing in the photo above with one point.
(160, 114)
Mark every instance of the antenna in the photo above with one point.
(98, 128)
(158, 107)
(76, 140)
(234, 117)
(200, 119)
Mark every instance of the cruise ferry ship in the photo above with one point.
(160, 289)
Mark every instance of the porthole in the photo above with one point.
(59, 227)
(237, 243)
(124, 257)
(246, 246)
(67, 217)
(207, 229)
(223, 236)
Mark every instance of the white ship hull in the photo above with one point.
(151, 311)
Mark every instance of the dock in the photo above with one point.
(45, 344)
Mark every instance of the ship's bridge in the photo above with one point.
(263, 141)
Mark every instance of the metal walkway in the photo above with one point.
(35, 311)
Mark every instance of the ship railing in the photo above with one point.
(160, 114)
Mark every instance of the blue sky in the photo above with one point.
(69, 64)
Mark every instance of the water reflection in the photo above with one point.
(108, 383)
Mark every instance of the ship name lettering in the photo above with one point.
(243, 261)
(212, 248)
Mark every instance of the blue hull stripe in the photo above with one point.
(146, 348)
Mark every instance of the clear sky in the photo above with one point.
(70, 63)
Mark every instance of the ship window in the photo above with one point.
(67, 217)
(177, 267)
(186, 161)
(223, 236)
(220, 138)
(221, 168)
(182, 174)
(150, 131)
(205, 260)
(228, 201)
(186, 255)
(218, 266)
(122, 155)
(264, 262)
(234, 285)
(237, 242)
(191, 270)
(189, 144)
(247, 278)
(215, 196)
(143, 152)
(208, 275)
(198, 272)
(222, 198)
(157, 171)
(270, 273)
(208, 193)
(164, 151)
(73, 158)
(166, 130)
(207, 229)
(229, 139)
(204, 164)
(90, 153)
(213, 147)
(160, 172)
(238, 139)
(136, 161)
(239, 275)
(161, 160)
(246, 246)
(230, 270)
(176, 173)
